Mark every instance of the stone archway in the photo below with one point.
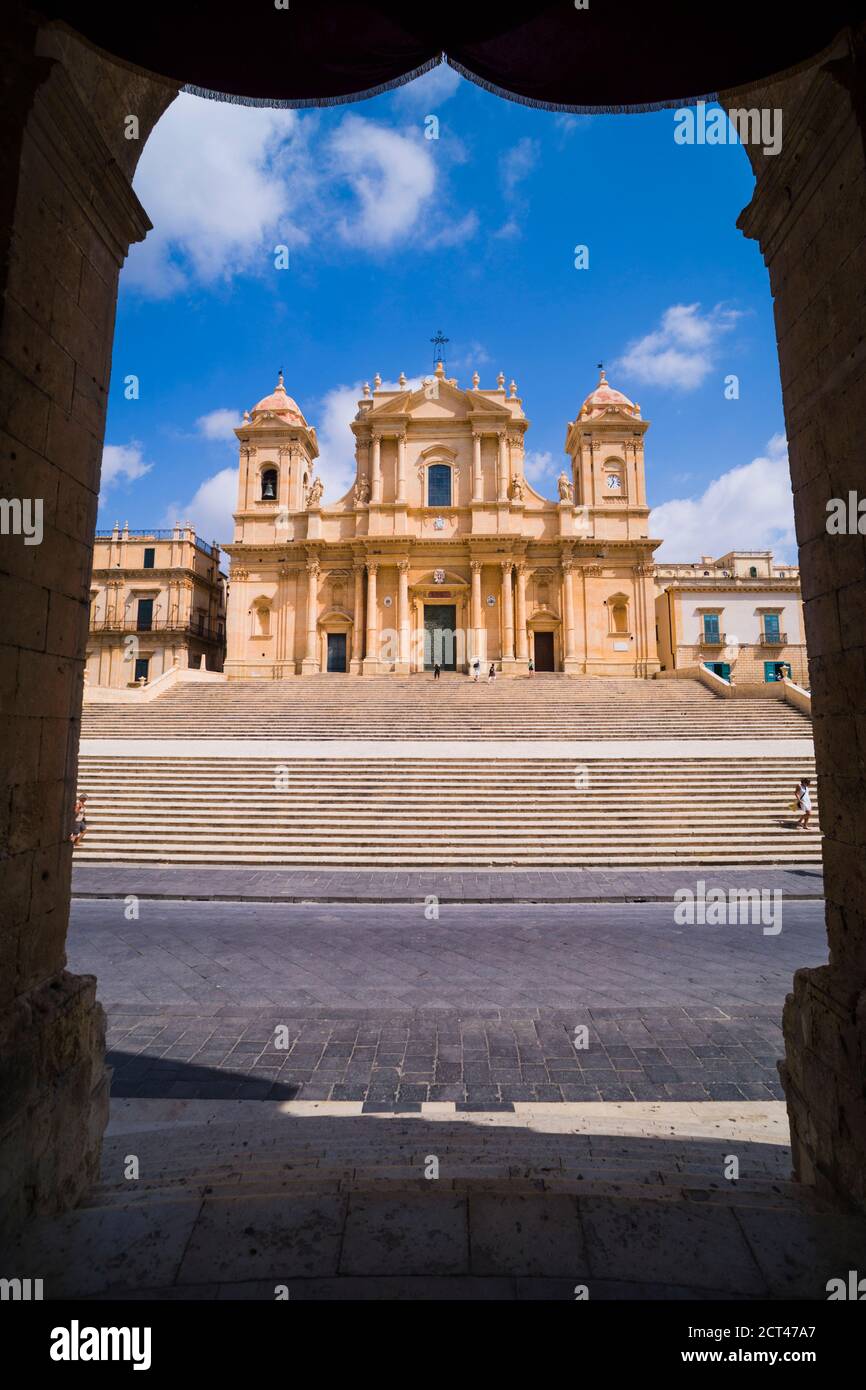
(68, 218)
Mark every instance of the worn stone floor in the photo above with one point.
(382, 1004)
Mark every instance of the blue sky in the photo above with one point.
(393, 235)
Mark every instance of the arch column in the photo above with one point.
(376, 469)
(502, 469)
(477, 475)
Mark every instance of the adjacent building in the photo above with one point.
(741, 615)
(157, 600)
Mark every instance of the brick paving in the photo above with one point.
(479, 1007)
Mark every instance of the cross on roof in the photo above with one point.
(438, 343)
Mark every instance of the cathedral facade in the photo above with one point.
(442, 551)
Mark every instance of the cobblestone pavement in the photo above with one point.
(381, 1005)
(380, 885)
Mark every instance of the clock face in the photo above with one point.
(614, 482)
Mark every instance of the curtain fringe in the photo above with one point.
(617, 109)
(304, 103)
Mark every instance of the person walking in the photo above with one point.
(804, 803)
(476, 667)
(437, 670)
(531, 667)
(491, 674)
(79, 820)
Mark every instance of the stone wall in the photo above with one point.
(809, 216)
(67, 227)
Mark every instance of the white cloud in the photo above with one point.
(392, 176)
(218, 181)
(681, 352)
(453, 233)
(428, 91)
(210, 508)
(220, 424)
(539, 467)
(517, 164)
(748, 508)
(123, 462)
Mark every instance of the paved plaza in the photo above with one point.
(387, 1004)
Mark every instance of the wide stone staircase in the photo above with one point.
(416, 707)
(443, 813)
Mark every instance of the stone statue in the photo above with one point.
(314, 496)
(362, 490)
(515, 492)
(566, 491)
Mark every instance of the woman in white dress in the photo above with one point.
(804, 801)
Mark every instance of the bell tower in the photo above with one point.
(277, 453)
(606, 447)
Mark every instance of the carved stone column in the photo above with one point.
(376, 479)
(371, 659)
(477, 475)
(403, 617)
(507, 615)
(358, 622)
(502, 470)
(401, 468)
(476, 612)
(520, 616)
(568, 608)
(310, 662)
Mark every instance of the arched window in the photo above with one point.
(753, 573)
(439, 485)
(269, 485)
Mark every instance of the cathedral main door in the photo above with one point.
(440, 636)
(543, 651)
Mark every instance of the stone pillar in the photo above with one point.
(476, 613)
(401, 468)
(477, 475)
(67, 218)
(376, 480)
(358, 623)
(310, 662)
(502, 468)
(371, 659)
(403, 617)
(570, 662)
(520, 617)
(507, 616)
(809, 216)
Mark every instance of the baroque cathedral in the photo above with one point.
(442, 551)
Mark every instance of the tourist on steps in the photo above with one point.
(476, 667)
(79, 820)
(491, 674)
(437, 670)
(531, 667)
(804, 802)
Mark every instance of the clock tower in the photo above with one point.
(606, 447)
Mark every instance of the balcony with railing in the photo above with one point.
(774, 639)
(175, 627)
(713, 639)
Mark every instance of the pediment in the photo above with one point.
(437, 400)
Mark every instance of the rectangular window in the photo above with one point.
(711, 627)
(144, 618)
(142, 666)
(149, 557)
(771, 626)
(439, 485)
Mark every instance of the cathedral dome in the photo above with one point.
(604, 397)
(279, 402)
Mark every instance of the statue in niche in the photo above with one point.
(314, 496)
(515, 492)
(362, 490)
(566, 490)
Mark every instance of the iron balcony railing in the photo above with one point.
(207, 631)
(154, 536)
(774, 639)
(714, 639)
